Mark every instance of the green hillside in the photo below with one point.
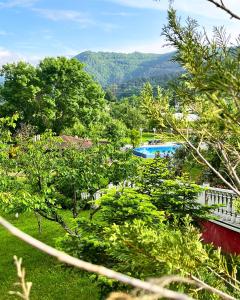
(129, 71)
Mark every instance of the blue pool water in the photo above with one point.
(153, 151)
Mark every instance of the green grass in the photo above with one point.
(51, 281)
(164, 137)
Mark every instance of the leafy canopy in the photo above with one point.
(53, 95)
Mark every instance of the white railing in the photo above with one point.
(225, 199)
(210, 196)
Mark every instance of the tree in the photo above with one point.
(129, 234)
(128, 110)
(115, 131)
(208, 92)
(124, 167)
(135, 137)
(83, 171)
(53, 95)
(176, 196)
(28, 181)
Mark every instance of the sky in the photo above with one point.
(33, 29)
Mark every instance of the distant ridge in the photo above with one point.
(134, 69)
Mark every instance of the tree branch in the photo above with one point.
(208, 163)
(65, 258)
(58, 219)
(223, 7)
(202, 284)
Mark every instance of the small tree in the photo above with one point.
(29, 180)
(83, 171)
(135, 137)
(176, 196)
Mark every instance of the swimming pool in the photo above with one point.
(165, 150)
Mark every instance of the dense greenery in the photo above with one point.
(147, 225)
(45, 177)
(203, 91)
(125, 74)
(128, 110)
(53, 95)
(130, 234)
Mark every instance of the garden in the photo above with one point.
(99, 204)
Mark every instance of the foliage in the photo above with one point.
(154, 250)
(135, 137)
(203, 92)
(115, 131)
(124, 167)
(147, 96)
(47, 176)
(177, 196)
(116, 207)
(83, 171)
(128, 234)
(134, 86)
(128, 110)
(148, 251)
(53, 95)
(28, 183)
(110, 68)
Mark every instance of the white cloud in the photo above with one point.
(195, 7)
(151, 4)
(74, 16)
(4, 52)
(17, 3)
(65, 15)
(207, 14)
(8, 56)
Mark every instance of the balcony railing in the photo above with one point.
(225, 214)
(226, 211)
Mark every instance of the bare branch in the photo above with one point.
(223, 279)
(65, 258)
(202, 284)
(223, 7)
(232, 187)
(25, 286)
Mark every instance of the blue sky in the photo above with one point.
(32, 29)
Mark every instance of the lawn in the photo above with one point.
(164, 137)
(51, 281)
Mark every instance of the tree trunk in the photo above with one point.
(75, 210)
(39, 222)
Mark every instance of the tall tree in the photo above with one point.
(53, 95)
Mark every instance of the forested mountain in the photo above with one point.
(126, 73)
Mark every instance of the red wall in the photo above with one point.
(220, 236)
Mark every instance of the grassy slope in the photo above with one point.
(50, 279)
